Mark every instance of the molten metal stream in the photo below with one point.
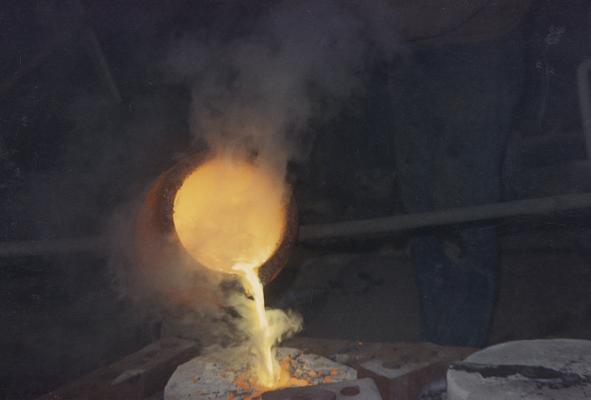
(251, 282)
(230, 216)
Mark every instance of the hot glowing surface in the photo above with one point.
(230, 212)
(267, 369)
(230, 216)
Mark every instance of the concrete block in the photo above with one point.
(135, 377)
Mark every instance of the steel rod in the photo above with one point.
(345, 229)
(102, 65)
(397, 223)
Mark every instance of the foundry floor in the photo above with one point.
(71, 327)
(373, 296)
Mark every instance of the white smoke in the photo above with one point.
(255, 93)
(301, 59)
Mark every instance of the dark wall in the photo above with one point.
(71, 154)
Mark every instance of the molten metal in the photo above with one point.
(269, 376)
(230, 212)
(223, 375)
(230, 216)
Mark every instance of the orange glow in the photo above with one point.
(248, 385)
(229, 212)
(230, 216)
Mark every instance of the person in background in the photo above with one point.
(452, 104)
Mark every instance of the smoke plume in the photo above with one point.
(254, 94)
(300, 60)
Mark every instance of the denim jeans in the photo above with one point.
(452, 109)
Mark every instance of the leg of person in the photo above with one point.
(454, 110)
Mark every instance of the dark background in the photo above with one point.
(71, 152)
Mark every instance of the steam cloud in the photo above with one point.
(256, 92)
(253, 91)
